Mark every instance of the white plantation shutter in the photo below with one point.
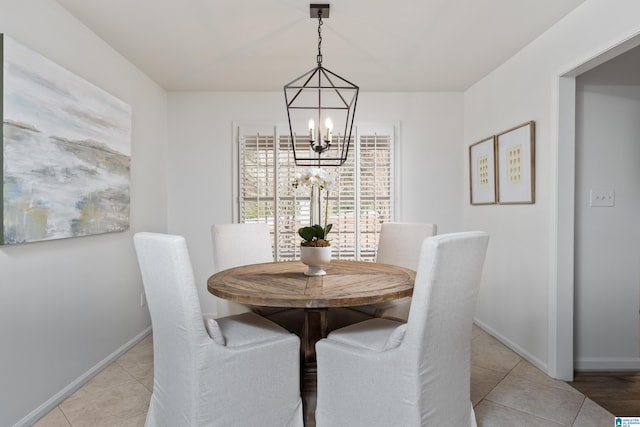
(361, 200)
(376, 190)
(257, 178)
(293, 206)
(343, 207)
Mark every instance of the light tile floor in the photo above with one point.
(506, 390)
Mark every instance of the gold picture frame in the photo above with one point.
(482, 172)
(515, 150)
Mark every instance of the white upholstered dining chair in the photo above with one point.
(240, 244)
(383, 372)
(241, 370)
(399, 244)
(243, 244)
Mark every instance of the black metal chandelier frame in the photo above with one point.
(321, 92)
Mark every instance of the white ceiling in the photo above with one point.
(260, 45)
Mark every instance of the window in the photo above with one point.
(362, 198)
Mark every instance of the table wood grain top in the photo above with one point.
(283, 284)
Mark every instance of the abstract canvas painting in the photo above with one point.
(66, 151)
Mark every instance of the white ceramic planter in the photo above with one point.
(315, 258)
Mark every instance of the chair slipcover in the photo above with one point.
(383, 372)
(251, 378)
(243, 244)
(240, 244)
(399, 244)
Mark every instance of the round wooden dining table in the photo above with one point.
(284, 284)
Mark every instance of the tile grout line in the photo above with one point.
(497, 384)
(584, 399)
(64, 415)
(132, 376)
(538, 415)
(501, 379)
(527, 414)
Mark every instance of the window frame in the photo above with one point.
(278, 130)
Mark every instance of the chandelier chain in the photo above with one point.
(319, 57)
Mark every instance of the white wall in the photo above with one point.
(519, 289)
(200, 160)
(607, 267)
(67, 305)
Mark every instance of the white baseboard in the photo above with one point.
(60, 396)
(608, 364)
(513, 346)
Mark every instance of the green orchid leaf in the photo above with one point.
(319, 231)
(307, 233)
(328, 229)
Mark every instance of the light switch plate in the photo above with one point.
(602, 198)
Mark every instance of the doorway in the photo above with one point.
(607, 204)
(565, 299)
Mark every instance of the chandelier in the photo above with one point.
(320, 107)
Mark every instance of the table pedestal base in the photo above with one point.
(314, 328)
(309, 394)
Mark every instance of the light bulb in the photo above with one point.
(329, 125)
(311, 128)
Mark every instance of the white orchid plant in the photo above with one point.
(318, 180)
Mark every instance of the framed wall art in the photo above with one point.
(65, 152)
(482, 179)
(516, 164)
